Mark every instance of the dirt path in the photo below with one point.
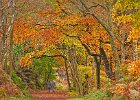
(46, 95)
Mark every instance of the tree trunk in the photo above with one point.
(7, 16)
(112, 37)
(0, 31)
(67, 74)
(74, 70)
(10, 30)
(92, 77)
(116, 57)
(86, 60)
(97, 62)
(97, 72)
(71, 68)
(108, 69)
(135, 53)
(3, 21)
(123, 44)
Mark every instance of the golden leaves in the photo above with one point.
(134, 68)
(118, 89)
(134, 34)
(124, 19)
(28, 58)
(84, 70)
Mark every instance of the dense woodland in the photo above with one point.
(88, 47)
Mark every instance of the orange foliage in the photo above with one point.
(43, 38)
(88, 20)
(134, 68)
(130, 90)
(22, 31)
(28, 58)
(49, 36)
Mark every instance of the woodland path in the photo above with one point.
(46, 95)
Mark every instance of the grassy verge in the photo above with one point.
(77, 99)
(16, 98)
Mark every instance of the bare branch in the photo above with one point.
(76, 37)
(52, 56)
(98, 4)
(84, 45)
(89, 51)
(62, 9)
(106, 27)
(93, 6)
(114, 2)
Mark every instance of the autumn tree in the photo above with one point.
(59, 27)
(7, 17)
(103, 12)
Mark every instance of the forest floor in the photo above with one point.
(46, 95)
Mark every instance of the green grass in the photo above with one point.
(77, 99)
(98, 95)
(16, 98)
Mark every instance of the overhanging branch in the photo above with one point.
(106, 27)
(88, 50)
(84, 45)
(53, 56)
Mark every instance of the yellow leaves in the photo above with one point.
(123, 5)
(134, 68)
(124, 19)
(84, 70)
(118, 6)
(73, 93)
(39, 53)
(71, 41)
(134, 34)
(122, 11)
(28, 58)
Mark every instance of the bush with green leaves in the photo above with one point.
(59, 87)
(45, 68)
(72, 89)
(20, 83)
